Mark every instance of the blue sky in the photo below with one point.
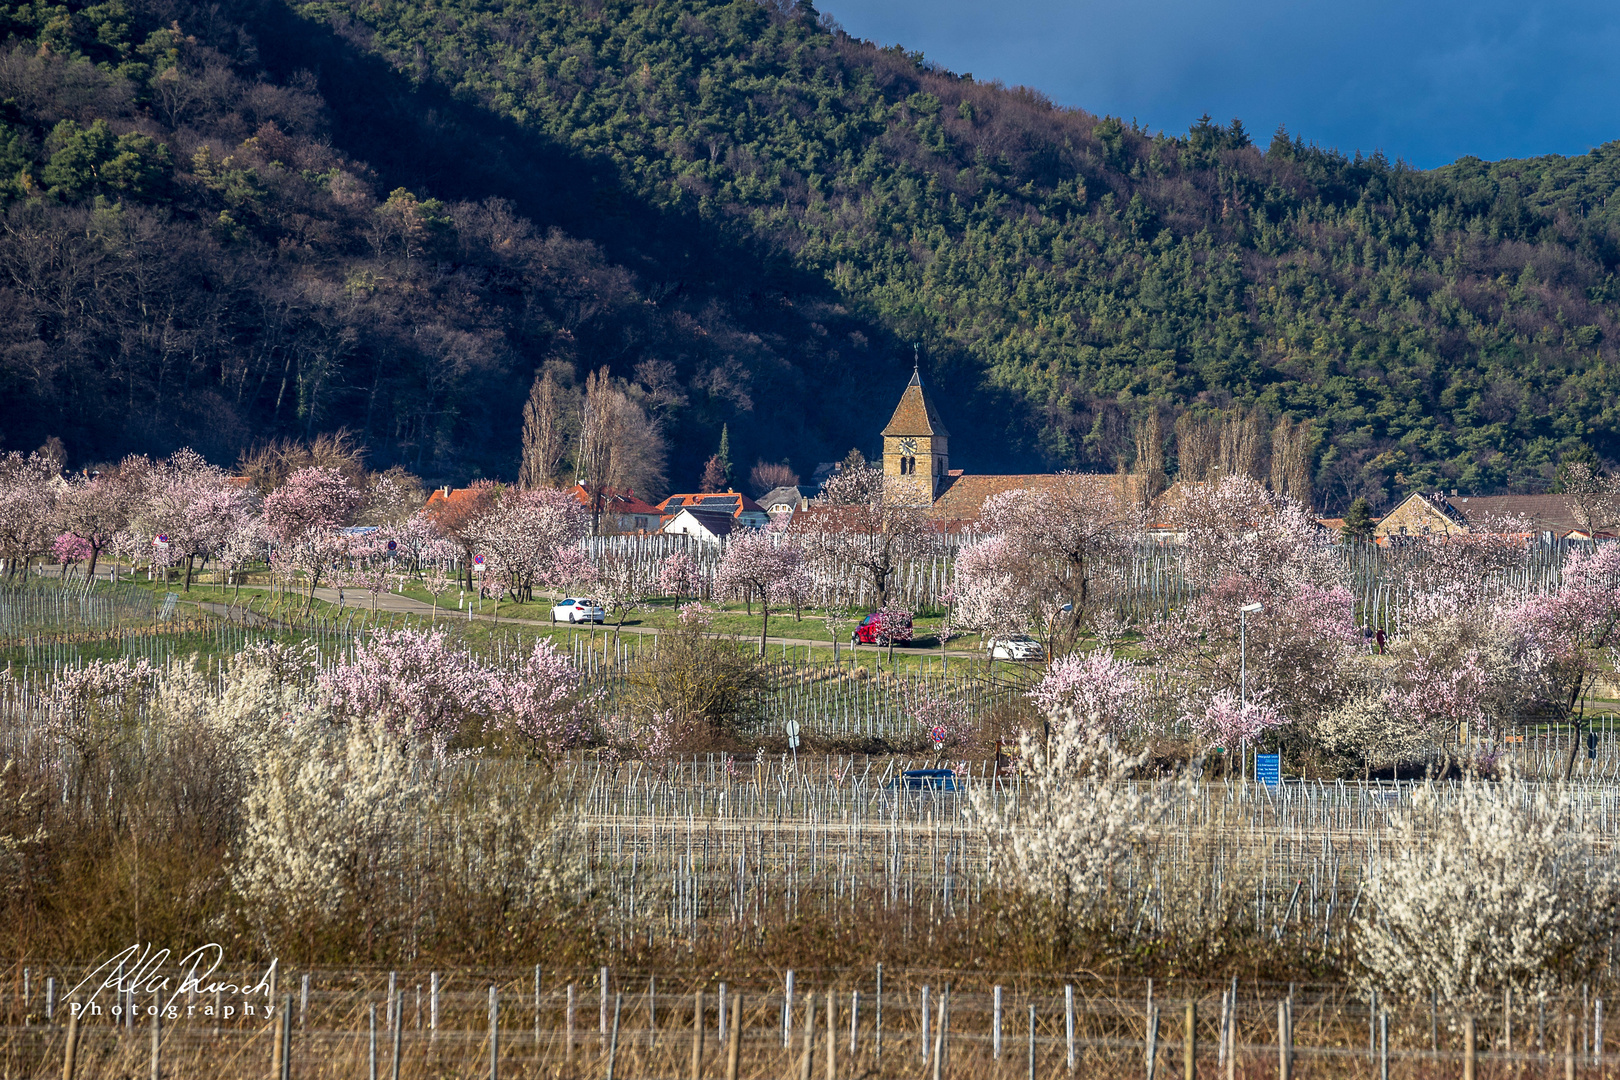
(1427, 82)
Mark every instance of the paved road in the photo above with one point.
(409, 606)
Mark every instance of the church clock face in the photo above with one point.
(908, 446)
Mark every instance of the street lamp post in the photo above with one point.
(1243, 664)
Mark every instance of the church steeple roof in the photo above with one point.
(916, 414)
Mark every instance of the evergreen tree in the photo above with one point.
(723, 455)
(1358, 521)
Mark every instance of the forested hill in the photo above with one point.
(387, 216)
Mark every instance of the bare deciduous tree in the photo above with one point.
(549, 418)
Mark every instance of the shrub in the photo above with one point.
(709, 689)
(1495, 886)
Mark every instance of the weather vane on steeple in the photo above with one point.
(916, 356)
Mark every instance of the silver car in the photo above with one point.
(571, 610)
(1021, 647)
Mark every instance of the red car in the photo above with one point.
(871, 629)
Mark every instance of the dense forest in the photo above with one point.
(240, 221)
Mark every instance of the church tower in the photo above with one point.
(915, 449)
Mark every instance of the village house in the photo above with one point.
(1436, 513)
(743, 511)
(706, 526)
(622, 511)
(785, 500)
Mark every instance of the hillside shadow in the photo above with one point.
(418, 135)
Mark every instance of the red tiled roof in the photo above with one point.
(964, 496)
(616, 501)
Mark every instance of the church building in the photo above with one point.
(917, 467)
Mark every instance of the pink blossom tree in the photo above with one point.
(858, 529)
(680, 576)
(1226, 722)
(194, 505)
(28, 493)
(304, 517)
(1561, 639)
(526, 533)
(1054, 551)
(95, 508)
(70, 550)
(753, 565)
(621, 585)
(543, 704)
(1101, 692)
(415, 685)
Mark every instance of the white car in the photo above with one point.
(1015, 648)
(572, 610)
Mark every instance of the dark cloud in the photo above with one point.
(1424, 82)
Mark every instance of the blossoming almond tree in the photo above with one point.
(28, 493)
(303, 515)
(542, 704)
(95, 508)
(414, 685)
(1077, 818)
(1055, 549)
(856, 528)
(680, 576)
(525, 533)
(753, 564)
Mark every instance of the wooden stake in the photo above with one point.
(832, 1036)
(1468, 1048)
(805, 1061)
(697, 1036)
(70, 1056)
(1284, 1051)
(157, 1038)
(1190, 1046)
(734, 1042)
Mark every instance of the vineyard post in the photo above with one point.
(399, 1026)
(939, 1037)
(995, 1027)
(1468, 1048)
(157, 1038)
(494, 1034)
(832, 1036)
(720, 1029)
(613, 1039)
(877, 1033)
(1152, 1040)
(734, 1044)
(1284, 1050)
(70, 1053)
(808, 1058)
(286, 1044)
(854, 1024)
(1068, 1025)
(433, 1004)
(1189, 1049)
(787, 1012)
(1032, 1042)
(371, 1071)
(303, 1000)
(1569, 1047)
(697, 1035)
(568, 1026)
(537, 1008)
